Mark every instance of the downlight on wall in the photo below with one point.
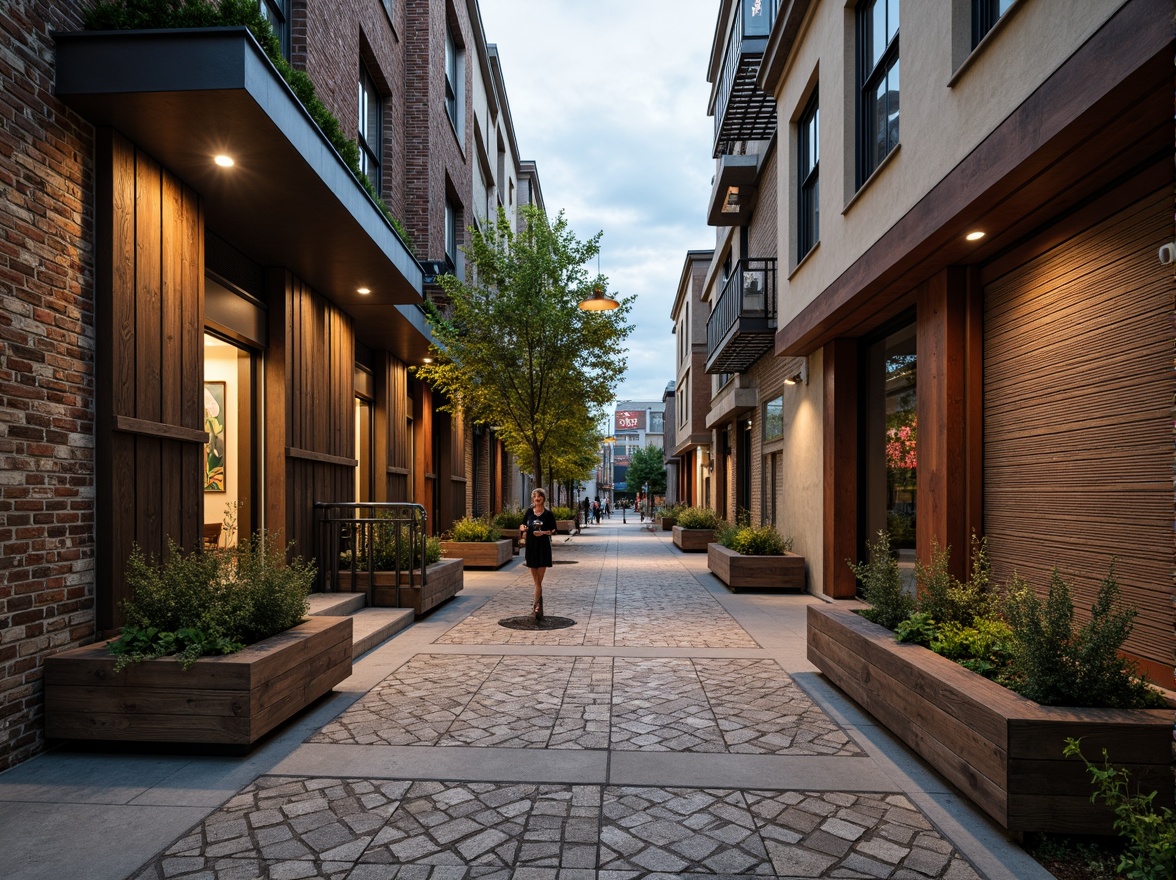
(223, 160)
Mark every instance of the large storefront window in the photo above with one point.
(230, 455)
(891, 459)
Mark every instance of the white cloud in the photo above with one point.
(609, 98)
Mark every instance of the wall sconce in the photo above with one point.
(800, 377)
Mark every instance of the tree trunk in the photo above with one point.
(537, 467)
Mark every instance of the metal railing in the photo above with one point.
(364, 538)
(750, 292)
(735, 56)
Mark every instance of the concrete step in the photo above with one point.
(370, 626)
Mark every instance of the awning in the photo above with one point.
(184, 96)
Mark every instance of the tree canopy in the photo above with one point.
(515, 351)
(647, 466)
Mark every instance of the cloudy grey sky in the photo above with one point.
(609, 98)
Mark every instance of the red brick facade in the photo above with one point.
(46, 371)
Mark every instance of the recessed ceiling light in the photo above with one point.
(427, 360)
(223, 161)
(364, 290)
(974, 236)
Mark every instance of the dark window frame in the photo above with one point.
(808, 198)
(872, 72)
(277, 13)
(985, 15)
(370, 142)
(452, 69)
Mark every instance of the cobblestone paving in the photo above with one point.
(351, 829)
(654, 603)
(668, 705)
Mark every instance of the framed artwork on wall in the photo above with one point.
(215, 425)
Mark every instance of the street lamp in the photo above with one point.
(598, 301)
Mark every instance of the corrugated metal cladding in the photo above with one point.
(1078, 400)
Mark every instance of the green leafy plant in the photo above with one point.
(882, 585)
(948, 600)
(1058, 664)
(984, 647)
(918, 629)
(509, 519)
(214, 601)
(754, 541)
(563, 512)
(669, 510)
(697, 518)
(1150, 834)
(468, 529)
(149, 14)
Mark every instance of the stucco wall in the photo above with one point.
(1003, 73)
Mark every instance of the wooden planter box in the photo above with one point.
(667, 522)
(443, 580)
(234, 699)
(1002, 750)
(692, 540)
(741, 572)
(513, 536)
(564, 526)
(479, 554)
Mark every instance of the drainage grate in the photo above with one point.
(547, 622)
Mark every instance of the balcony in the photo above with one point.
(742, 327)
(742, 112)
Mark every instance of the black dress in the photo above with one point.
(538, 546)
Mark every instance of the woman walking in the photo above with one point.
(539, 526)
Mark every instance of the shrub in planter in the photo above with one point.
(754, 541)
(882, 585)
(697, 518)
(470, 530)
(509, 520)
(563, 512)
(210, 602)
(391, 548)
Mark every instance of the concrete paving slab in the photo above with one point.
(455, 763)
(749, 771)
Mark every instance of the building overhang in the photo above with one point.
(184, 96)
(735, 190)
(731, 403)
(1099, 119)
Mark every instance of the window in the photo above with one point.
(890, 437)
(450, 233)
(774, 419)
(371, 130)
(277, 13)
(877, 27)
(985, 14)
(657, 422)
(808, 209)
(454, 82)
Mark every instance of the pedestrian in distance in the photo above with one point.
(538, 526)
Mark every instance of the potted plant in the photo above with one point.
(695, 529)
(1001, 747)
(565, 519)
(216, 649)
(477, 543)
(667, 515)
(508, 522)
(746, 557)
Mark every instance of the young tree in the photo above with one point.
(510, 351)
(647, 466)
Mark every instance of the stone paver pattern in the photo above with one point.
(480, 691)
(354, 829)
(736, 706)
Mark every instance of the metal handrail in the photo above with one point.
(369, 536)
(750, 292)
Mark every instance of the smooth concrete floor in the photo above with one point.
(676, 730)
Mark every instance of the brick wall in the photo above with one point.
(46, 370)
(328, 41)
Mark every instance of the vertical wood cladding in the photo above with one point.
(150, 269)
(310, 402)
(393, 410)
(1078, 391)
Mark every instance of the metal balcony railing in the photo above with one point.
(742, 112)
(741, 329)
(360, 539)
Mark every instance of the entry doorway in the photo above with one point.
(233, 449)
